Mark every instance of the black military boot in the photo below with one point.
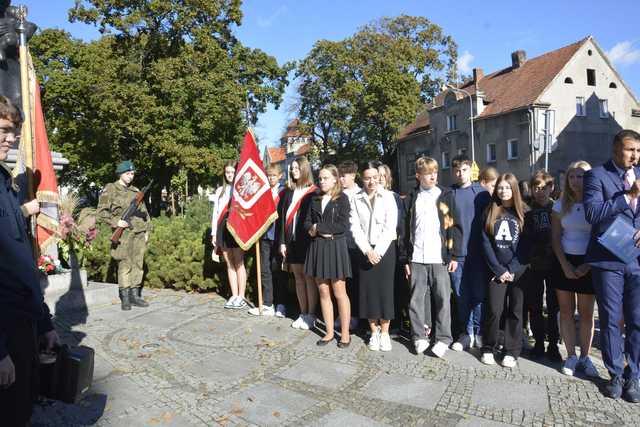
(136, 297)
(125, 303)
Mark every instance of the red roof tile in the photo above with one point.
(277, 154)
(421, 123)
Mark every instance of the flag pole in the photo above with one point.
(259, 276)
(27, 131)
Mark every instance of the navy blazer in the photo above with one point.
(603, 201)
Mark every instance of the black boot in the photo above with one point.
(136, 298)
(125, 304)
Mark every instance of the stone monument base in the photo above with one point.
(70, 291)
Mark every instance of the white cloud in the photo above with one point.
(464, 62)
(623, 53)
(268, 22)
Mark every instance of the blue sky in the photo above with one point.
(486, 32)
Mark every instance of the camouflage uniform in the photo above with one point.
(129, 253)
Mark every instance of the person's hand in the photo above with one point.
(634, 191)
(505, 277)
(569, 272)
(7, 372)
(373, 257)
(453, 266)
(123, 224)
(407, 271)
(283, 251)
(313, 231)
(32, 207)
(582, 270)
(51, 340)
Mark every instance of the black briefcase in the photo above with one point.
(67, 374)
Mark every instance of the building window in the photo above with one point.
(491, 153)
(612, 85)
(604, 108)
(581, 109)
(452, 123)
(445, 160)
(568, 81)
(591, 77)
(512, 149)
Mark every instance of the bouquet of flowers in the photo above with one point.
(77, 231)
(48, 265)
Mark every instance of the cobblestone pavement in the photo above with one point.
(185, 361)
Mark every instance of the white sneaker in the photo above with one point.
(439, 349)
(421, 346)
(587, 367)
(230, 302)
(239, 303)
(296, 324)
(267, 310)
(509, 361)
(488, 359)
(385, 342)
(308, 321)
(456, 346)
(462, 342)
(374, 341)
(569, 365)
(281, 311)
(477, 341)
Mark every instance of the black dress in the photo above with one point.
(294, 235)
(328, 257)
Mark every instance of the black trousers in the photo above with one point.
(534, 286)
(16, 402)
(353, 283)
(508, 299)
(273, 279)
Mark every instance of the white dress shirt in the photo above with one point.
(427, 243)
(374, 226)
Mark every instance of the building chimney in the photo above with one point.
(478, 74)
(518, 58)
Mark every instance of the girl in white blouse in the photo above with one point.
(374, 218)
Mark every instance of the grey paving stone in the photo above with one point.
(222, 367)
(342, 418)
(320, 372)
(211, 327)
(264, 405)
(162, 319)
(122, 394)
(146, 417)
(480, 422)
(510, 395)
(406, 390)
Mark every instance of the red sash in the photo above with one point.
(295, 205)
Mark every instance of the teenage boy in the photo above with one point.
(537, 226)
(430, 252)
(468, 280)
(348, 171)
(273, 284)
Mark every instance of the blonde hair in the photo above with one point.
(337, 188)
(426, 165)
(496, 209)
(274, 167)
(568, 197)
(488, 174)
(306, 177)
(388, 179)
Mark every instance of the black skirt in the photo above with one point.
(224, 239)
(376, 285)
(583, 285)
(297, 251)
(328, 259)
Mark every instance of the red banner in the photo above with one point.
(252, 206)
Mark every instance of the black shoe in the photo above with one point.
(631, 391)
(135, 296)
(322, 343)
(538, 351)
(613, 388)
(553, 353)
(125, 303)
(344, 344)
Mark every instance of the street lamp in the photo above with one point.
(455, 89)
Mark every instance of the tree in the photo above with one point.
(356, 94)
(167, 85)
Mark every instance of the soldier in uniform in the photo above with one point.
(129, 252)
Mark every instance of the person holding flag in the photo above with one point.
(294, 240)
(223, 242)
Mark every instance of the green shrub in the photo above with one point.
(178, 255)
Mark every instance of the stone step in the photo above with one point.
(73, 279)
(81, 299)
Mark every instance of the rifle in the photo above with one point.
(131, 210)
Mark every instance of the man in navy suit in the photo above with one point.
(612, 190)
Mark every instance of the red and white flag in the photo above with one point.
(252, 206)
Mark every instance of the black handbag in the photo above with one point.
(67, 374)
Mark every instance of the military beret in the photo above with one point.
(125, 166)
